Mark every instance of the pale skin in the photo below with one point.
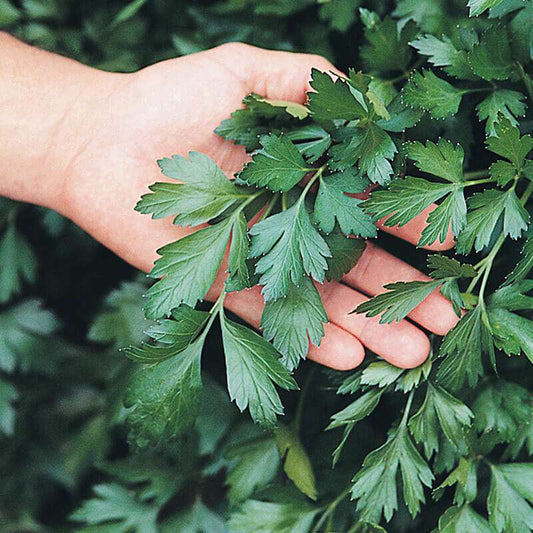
(85, 143)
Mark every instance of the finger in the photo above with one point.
(411, 231)
(274, 74)
(376, 268)
(400, 343)
(338, 349)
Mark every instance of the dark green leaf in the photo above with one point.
(188, 268)
(333, 204)
(462, 519)
(491, 59)
(502, 103)
(291, 247)
(345, 253)
(442, 159)
(278, 166)
(290, 323)
(253, 368)
(444, 267)
(165, 397)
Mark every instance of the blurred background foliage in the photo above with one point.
(67, 305)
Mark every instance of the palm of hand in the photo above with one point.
(173, 107)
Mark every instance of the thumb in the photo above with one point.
(273, 74)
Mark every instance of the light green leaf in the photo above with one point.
(8, 395)
(253, 465)
(266, 517)
(445, 267)
(428, 92)
(462, 349)
(121, 322)
(290, 323)
(205, 194)
(485, 210)
(464, 477)
(509, 144)
(296, 462)
(239, 273)
(173, 336)
(399, 300)
(117, 505)
(524, 265)
(253, 367)
(442, 53)
(371, 148)
(463, 519)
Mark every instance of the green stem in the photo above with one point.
(271, 204)
(284, 205)
(477, 174)
(526, 79)
(312, 180)
(476, 90)
(471, 183)
(247, 202)
(330, 508)
(301, 399)
(218, 305)
(405, 416)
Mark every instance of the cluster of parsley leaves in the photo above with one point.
(310, 165)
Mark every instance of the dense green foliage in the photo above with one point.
(441, 114)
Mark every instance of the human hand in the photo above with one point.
(172, 108)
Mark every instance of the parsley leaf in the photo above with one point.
(252, 370)
(165, 398)
(291, 248)
(524, 265)
(265, 517)
(296, 462)
(461, 519)
(445, 267)
(374, 486)
(253, 464)
(332, 203)
(429, 92)
(510, 490)
(205, 194)
(18, 261)
(239, 273)
(115, 506)
(345, 253)
(312, 141)
(463, 347)
(294, 321)
(501, 103)
(477, 7)
(486, 209)
(491, 59)
(334, 99)
(442, 159)
(278, 166)
(8, 395)
(453, 417)
(387, 49)
(442, 53)
(189, 267)
(122, 321)
(371, 148)
(399, 300)
(508, 143)
(173, 336)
